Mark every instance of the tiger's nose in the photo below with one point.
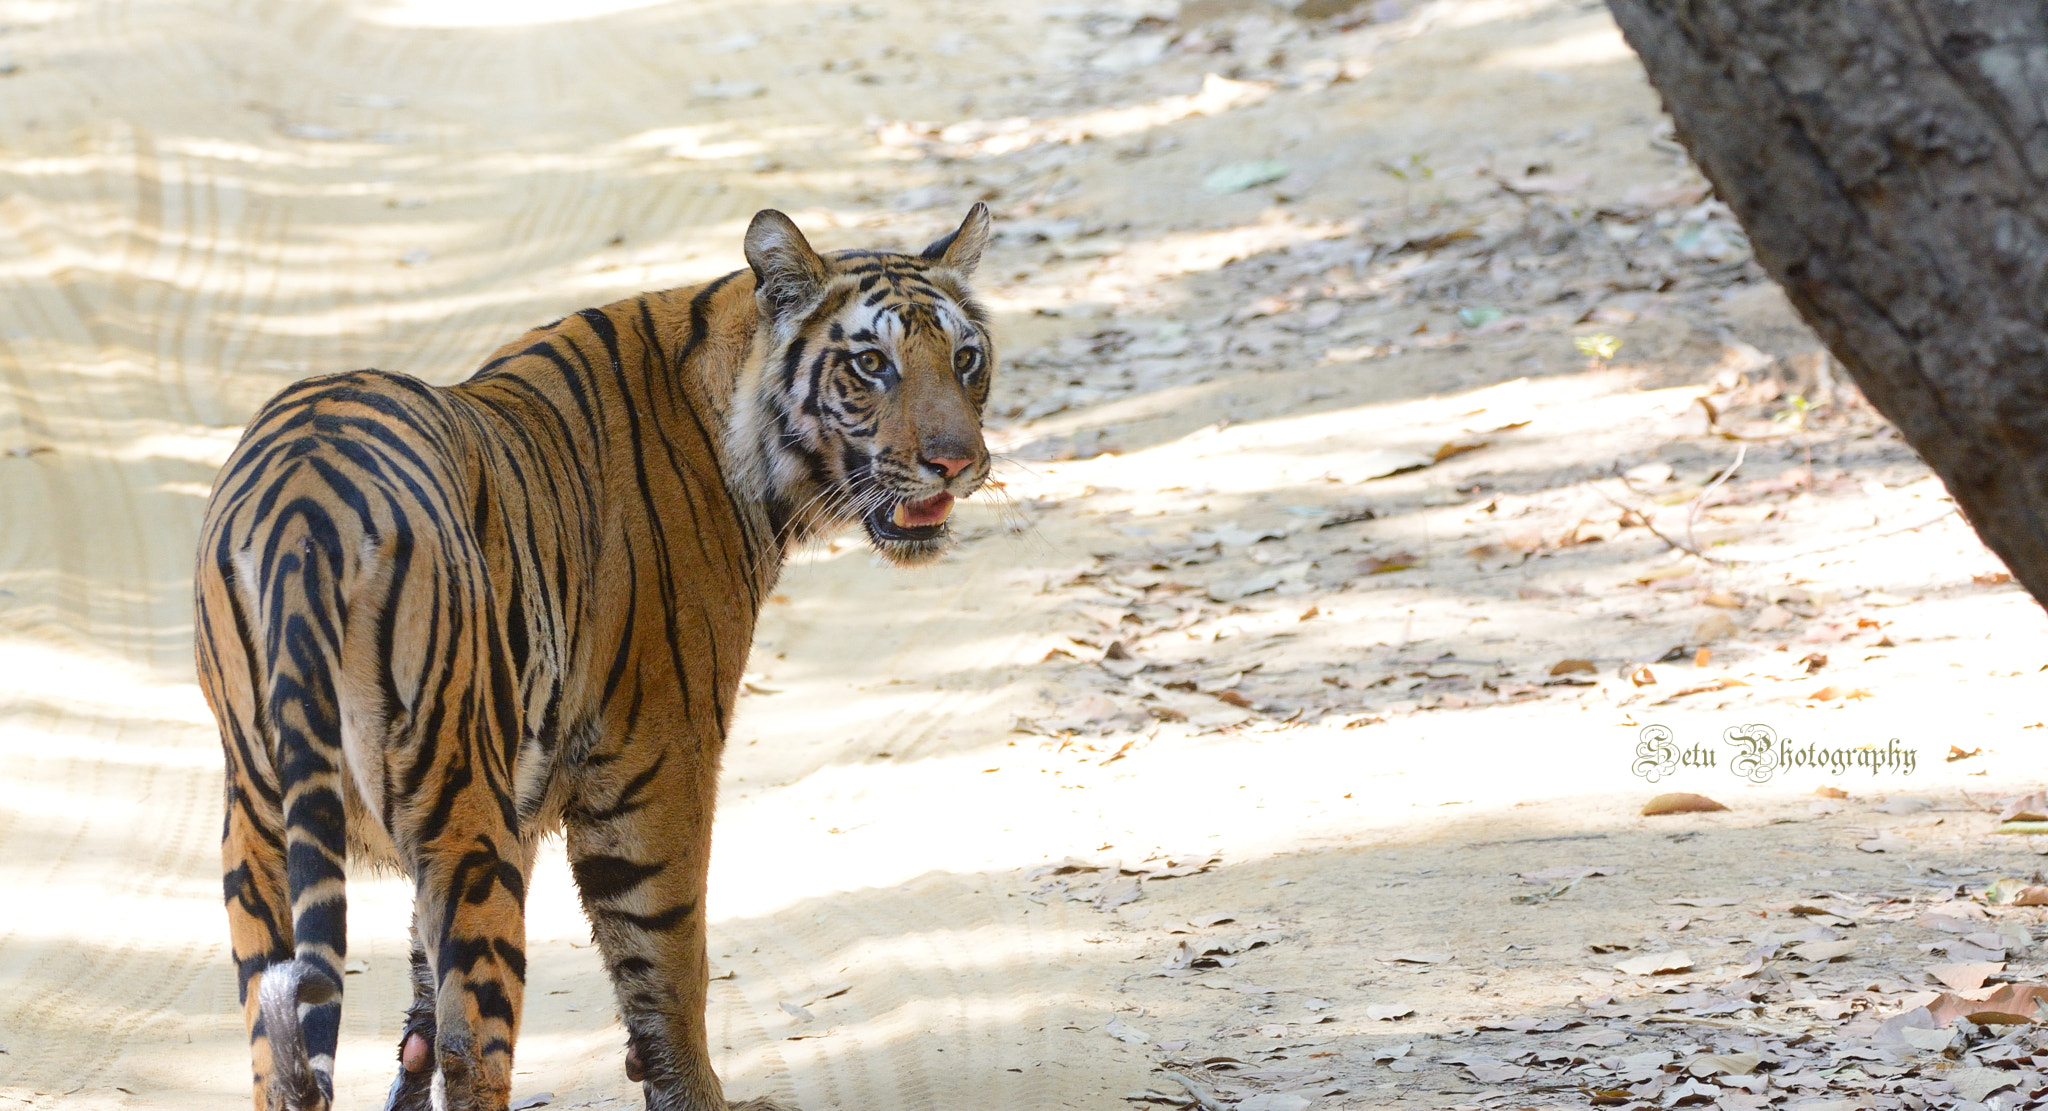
(950, 467)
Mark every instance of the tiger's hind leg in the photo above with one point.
(639, 842)
(469, 912)
(413, 1089)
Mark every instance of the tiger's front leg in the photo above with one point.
(639, 841)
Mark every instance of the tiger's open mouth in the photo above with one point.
(911, 520)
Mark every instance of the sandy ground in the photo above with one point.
(1261, 753)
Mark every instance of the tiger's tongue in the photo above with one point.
(923, 514)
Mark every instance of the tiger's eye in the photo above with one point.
(868, 362)
(963, 359)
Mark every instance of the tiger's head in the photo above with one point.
(866, 402)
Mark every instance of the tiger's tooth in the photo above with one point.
(899, 516)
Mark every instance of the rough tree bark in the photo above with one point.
(1889, 159)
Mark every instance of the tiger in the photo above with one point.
(438, 624)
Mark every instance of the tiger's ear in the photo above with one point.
(961, 249)
(787, 273)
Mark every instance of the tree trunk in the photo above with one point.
(1889, 159)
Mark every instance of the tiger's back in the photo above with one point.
(436, 624)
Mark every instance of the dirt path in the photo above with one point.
(1338, 584)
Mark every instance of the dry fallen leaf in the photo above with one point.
(1926, 1040)
(1488, 1072)
(1453, 448)
(1717, 626)
(1772, 619)
(1679, 802)
(1955, 753)
(1820, 952)
(1998, 1018)
(1967, 976)
(1642, 676)
(2010, 999)
(2026, 808)
(1652, 964)
(1724, 1064)
(1833, 693)
(1831, 792)
(1567, 667)
(1380, 565)
(1976, 1083)
(1126, 1033)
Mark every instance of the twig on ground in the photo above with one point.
(1202, 1095)
(1693, 515)
(1797, 553)
(1692, 545)
(1647, 523)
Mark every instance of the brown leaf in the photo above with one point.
(1234, 698)
(1642, 676)
(2011, 999)
(1702, 657)
(1567, 667)
(1721, 684)
(1813, 662)
(1312, 611)
(1380, 565)
(1717, 626)
(1998, 1018)
(1835, 692)
(1955, 753)
(1992, 578)
(2033, 895)
(1831, 792)
(2026, 808)
(1452, 448)
(1679, 802)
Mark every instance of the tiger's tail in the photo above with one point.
(287, 986)
(303, 615)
